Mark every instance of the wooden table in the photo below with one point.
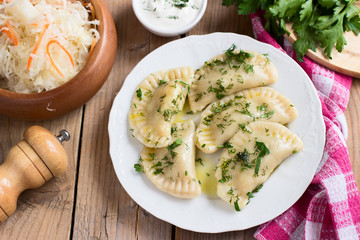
(88, 202)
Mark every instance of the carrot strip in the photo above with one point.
(7, 33)
(51, 59)
(14, 38)
(37, 45)
(65, 50)
(92, 48)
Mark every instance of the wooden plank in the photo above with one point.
(103, 209)
(218, 18)
(352, 115)
(45, 212)
(235, 235)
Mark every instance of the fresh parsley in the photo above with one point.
(139, 94)
(244, 129)
(138, 168)
(162, 82)
(262, 150)
(200, 161)
(316, 22)
(236, 205)
(175, 144)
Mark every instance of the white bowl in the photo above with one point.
(169, 31)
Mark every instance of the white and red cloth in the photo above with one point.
(330, 207)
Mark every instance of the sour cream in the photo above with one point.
(170, 13)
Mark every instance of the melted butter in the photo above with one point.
(206, 172)
(185, 114)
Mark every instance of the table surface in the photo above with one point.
(88, 202)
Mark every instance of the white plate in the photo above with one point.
(211, 214)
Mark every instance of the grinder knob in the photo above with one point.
(29, 164)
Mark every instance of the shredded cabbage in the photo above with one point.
(43, 44)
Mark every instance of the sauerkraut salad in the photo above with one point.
(44, 44)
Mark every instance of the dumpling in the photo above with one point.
(156, 102)
(229, 73)
(250, 159)
(222, 119)
(172, 169)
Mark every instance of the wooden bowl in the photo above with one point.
(78, 90)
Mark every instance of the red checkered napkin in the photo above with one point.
(330, 207)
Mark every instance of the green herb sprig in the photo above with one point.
(175, 144)
(316, 22)
(263, 151)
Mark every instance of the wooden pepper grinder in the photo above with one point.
(29, 164)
